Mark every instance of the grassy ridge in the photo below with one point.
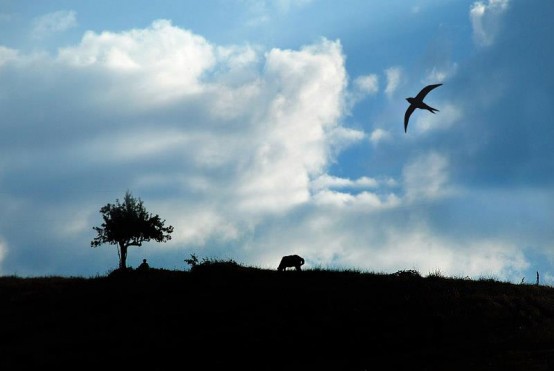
(228, 316)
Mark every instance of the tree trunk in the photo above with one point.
(123, 256)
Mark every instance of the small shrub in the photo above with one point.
(212, 265)
(436, 274)
(409, 273)
(489, 278)
(193, 261)
(121, 272)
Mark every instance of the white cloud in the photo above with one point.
(131, 146)
(485, 20)
(200, 225)
(4, 248)
(55, 22)
(340, 138)
(233, 146)
(393, 75)
(362, 87)
(145, 67)
(417, 247)
(384, 236)
(379, 135)
(426, 177)
(449, 116)
(438, 75)
(545, 279)
(229, 135)
(288, 116)
(7, 55)
(326, 181)
(308, 86)
(366, 201)
(367, 84)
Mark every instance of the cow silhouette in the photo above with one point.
(291, 261)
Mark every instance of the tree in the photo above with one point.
(129, 224)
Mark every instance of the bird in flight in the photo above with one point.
(417, 102)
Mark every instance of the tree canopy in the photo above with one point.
(129, 224)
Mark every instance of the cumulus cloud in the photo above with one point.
(237, 147)
(385, 236)
(393, 75)
(379, 135)
(419, 248)
(362, 86)
(308, 86)
(328, 181)
(485, 20)
(438, 75)
(145, 67)
(449, 115)
(426, 177)
(367, 84)
(228, 134)
(54, 22)
(367, 201)
(340, 138)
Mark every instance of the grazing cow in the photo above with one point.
(291, 261)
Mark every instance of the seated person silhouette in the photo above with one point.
(143, 266)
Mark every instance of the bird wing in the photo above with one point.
(426, 90)
(409, 111)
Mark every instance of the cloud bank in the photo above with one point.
(234, 146)
(54, 22)
(216, 137)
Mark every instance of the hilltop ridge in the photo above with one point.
(228, 316)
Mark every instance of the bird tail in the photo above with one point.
(433, 110)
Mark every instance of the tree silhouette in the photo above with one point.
(129, 224)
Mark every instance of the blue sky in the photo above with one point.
(266, 128)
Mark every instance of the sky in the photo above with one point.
(264, 128)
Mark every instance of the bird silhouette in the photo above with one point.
(417, 102)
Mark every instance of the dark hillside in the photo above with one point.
(246, 318)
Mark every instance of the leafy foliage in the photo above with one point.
(129, 224)
(193, 261)
(407, 273)
(213, 265)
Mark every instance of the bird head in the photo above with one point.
(410, 100)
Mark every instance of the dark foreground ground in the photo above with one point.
(252, 319)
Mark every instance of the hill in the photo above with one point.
(225, 316)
